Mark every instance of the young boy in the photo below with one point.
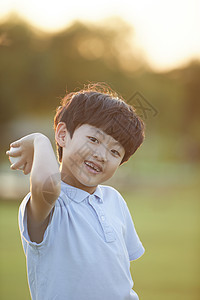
(78, 235)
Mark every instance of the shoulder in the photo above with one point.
(109, 189)
(111, 193)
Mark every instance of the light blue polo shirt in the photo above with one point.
(86, 249)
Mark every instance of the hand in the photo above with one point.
(25, 149)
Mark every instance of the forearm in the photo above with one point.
(36, 154)
(45, 178)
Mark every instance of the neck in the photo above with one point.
(65, 177)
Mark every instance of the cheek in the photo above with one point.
(83, 152)
(76, 158)
(112, 167)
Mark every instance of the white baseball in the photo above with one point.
(15, 159)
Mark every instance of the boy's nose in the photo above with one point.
(101, 155)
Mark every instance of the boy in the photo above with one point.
(78, 235)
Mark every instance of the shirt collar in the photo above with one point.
(79, 195)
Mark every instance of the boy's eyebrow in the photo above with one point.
(116, 143)
(98, 131)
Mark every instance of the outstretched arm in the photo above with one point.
(38, 157)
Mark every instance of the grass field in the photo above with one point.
(167, 221)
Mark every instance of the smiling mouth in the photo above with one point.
(93, 167)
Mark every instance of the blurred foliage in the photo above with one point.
(36, 68)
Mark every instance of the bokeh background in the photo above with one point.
(149, 52)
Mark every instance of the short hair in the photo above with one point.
(99, 106)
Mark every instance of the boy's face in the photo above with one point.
(90, 157)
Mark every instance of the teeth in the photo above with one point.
(92, 166)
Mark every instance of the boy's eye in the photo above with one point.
(93, 139)
(115, 152)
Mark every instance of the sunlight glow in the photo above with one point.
(167, 31)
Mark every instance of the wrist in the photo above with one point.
(40, 138)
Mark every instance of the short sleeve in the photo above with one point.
(22, 220)
(133, 243)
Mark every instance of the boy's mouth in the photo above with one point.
(93, 166)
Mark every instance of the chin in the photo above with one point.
(89, 182)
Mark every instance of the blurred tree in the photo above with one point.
(36, 67)
(191, 116)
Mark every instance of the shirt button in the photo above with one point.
(103, 218)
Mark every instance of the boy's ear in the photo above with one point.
(61, 134)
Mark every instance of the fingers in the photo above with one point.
(14, 152)
(15, 149)
(15, 144)
(27, 168)
(19, 165)
(21, 153)
(13, 167)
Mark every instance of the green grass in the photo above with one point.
(13, 283)
(166, 220)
